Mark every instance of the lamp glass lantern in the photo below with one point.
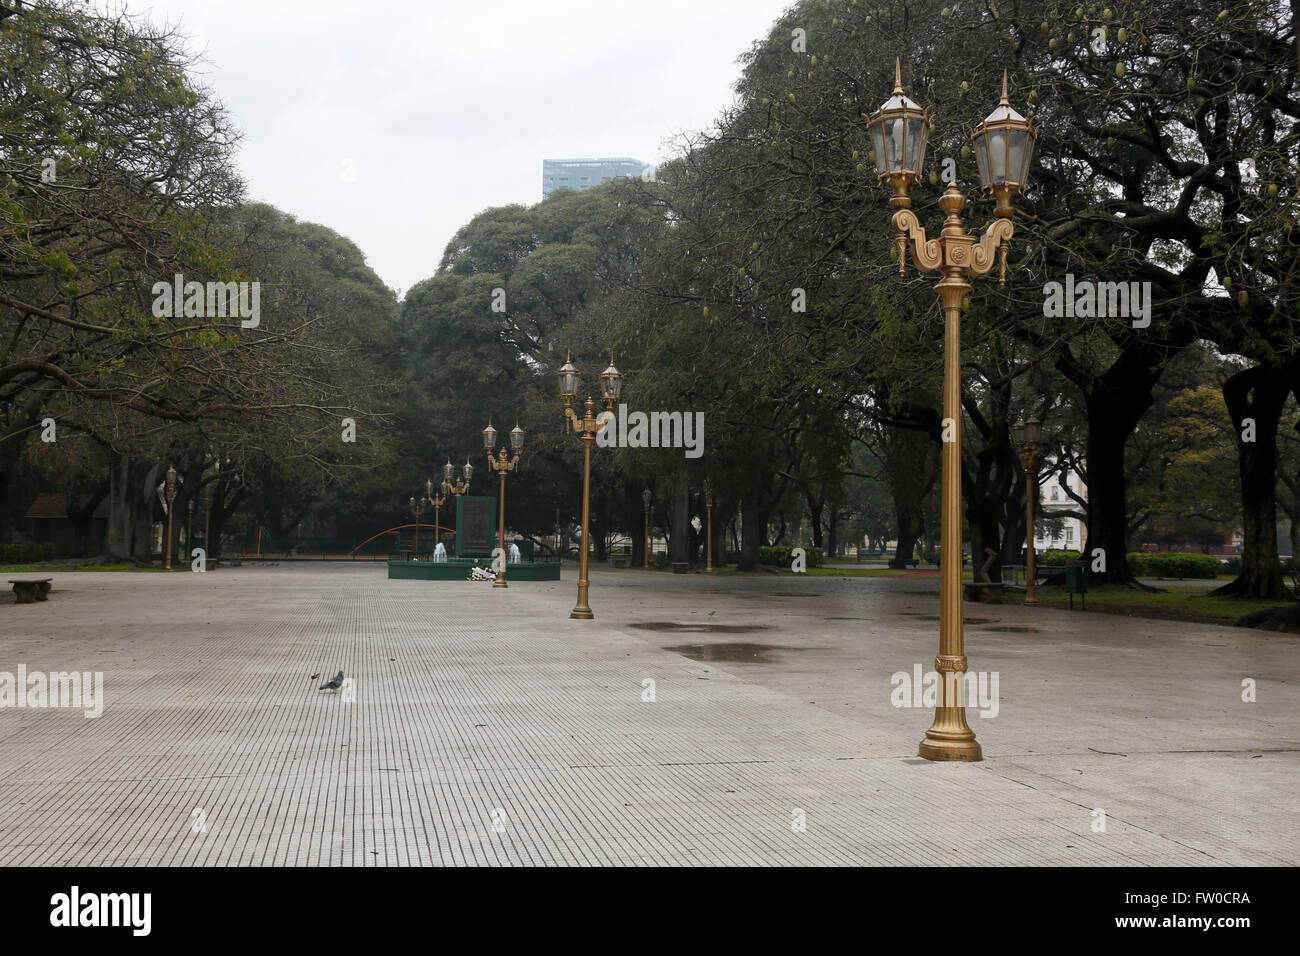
(448, 471)
(899, 130)
(568, 376)
(646, 496)
(1018, 431)
(517, 438)
(469, 471)
(489, 437)
(1004, 143)
(1033, 430)
(611, 382)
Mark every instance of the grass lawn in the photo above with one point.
(1180, 604)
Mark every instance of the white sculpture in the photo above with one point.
(440, 553)
(514, 554)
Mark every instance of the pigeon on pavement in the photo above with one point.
(334, 683)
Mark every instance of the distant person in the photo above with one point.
(515, 557)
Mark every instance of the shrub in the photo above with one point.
(1053, 558)
(781, 556)
(1174, 564)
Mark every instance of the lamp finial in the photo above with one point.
(898, 74)
(1005, 101)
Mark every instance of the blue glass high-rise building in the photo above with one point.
(580, 174)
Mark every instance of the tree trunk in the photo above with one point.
(1115, 402)
(753, 523)
(1258, 394)
(679, 548)
(130, 508)
(910, 526)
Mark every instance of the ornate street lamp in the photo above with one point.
(1004, 141)
(456, 486)
(1026, 435)
(418, 507)
(171, 498)
(502, 465)
(646, 497)
(611, 385)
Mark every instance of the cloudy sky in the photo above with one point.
(395, 121)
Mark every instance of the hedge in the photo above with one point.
(1053, 558)
(1174, 564)
(27, 552)
(781, 556)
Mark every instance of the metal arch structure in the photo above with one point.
(399, 527)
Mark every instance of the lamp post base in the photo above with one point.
(949, 748)
(581, 614)
(940, 745)
(500, 584)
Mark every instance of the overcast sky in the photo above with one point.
(394, 121)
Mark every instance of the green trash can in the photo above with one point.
(1076, 581)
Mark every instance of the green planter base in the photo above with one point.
(456, 569)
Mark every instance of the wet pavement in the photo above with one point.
(728, 720)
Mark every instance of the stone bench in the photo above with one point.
(29, 592)
(618, 560)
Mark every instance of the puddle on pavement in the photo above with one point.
(741, 653)
(794, 594)
(700, 628)
(1015, 629)
(965, 620)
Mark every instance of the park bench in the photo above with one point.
(681, 567)
(618, 560)
(29, 592)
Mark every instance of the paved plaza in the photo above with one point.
(729, 720)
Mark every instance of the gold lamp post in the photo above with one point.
(171, 498)
(418, 508)
(1003, 144)
(611, 384)
(502, 465)
(646, 497)
(453, 485)
(1027, 435)
(437, 501)
(708, 538)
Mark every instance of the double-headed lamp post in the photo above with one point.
(1027, 435)
(418, 508)
(611, 384)
(1003, 145)
(502, 465)
(171, 500)
(437, 501)
(646, 497)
